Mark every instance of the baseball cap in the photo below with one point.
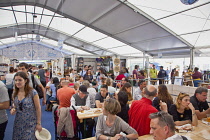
(83, 89)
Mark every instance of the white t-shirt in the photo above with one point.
(3, 98)
(92, 94)
(9, 78)
(48, 90)
(111, 89)
(176, 137)
(137, 94)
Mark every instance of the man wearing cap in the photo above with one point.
(81, 101)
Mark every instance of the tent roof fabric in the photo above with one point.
(128, 28)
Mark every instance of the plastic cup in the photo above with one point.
(208, 118)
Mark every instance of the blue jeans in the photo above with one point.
(196, 82)
(2, 129)
(51, 99)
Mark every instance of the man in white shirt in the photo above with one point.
(163, 127)
(81, 101)
(138, 91)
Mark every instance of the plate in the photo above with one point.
(184, 128)
(205, 122)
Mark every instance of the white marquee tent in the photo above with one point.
(127, 28)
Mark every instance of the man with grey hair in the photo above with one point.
(92, 93)
(163, 127)
(140, 110)
(64, 94)
(199, 102)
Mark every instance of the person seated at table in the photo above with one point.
(110, 126)
(80, 80)
(92, 93)
(109, 83)
(120, 76)
(199, 102)
(183, 111)
(197, 76)
(101, 96)
(76, 87)
(140, 110)
(127, 88)
(162, 127)
(138, 91)
(53, 88)
(124, 80)
(64, 94)
(71, 82)
(80, 102)
(122, 97)
(103, 82)
(163, 96)
(88, 76)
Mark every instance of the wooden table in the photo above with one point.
(201, 132)
(88, 114)
(91, 138)
(204, 84)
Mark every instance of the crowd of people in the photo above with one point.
(125, 114)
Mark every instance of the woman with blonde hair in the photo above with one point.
(183, 111)
(163, 96)
(109, 126)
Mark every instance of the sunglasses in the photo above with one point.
(161, 115)
(21, 106)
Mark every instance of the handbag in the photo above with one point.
(37, 88)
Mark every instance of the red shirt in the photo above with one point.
(139, 115)
(120, 77)
(64, 96)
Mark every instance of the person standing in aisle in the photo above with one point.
(23, 67)
(135, 74)
(9, 82)
(27, 109)
(161, 75)
(41, 74)
(167, 73)
(153, 74)
(4, 104)
(197, 76)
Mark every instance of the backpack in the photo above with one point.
(37, 88)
